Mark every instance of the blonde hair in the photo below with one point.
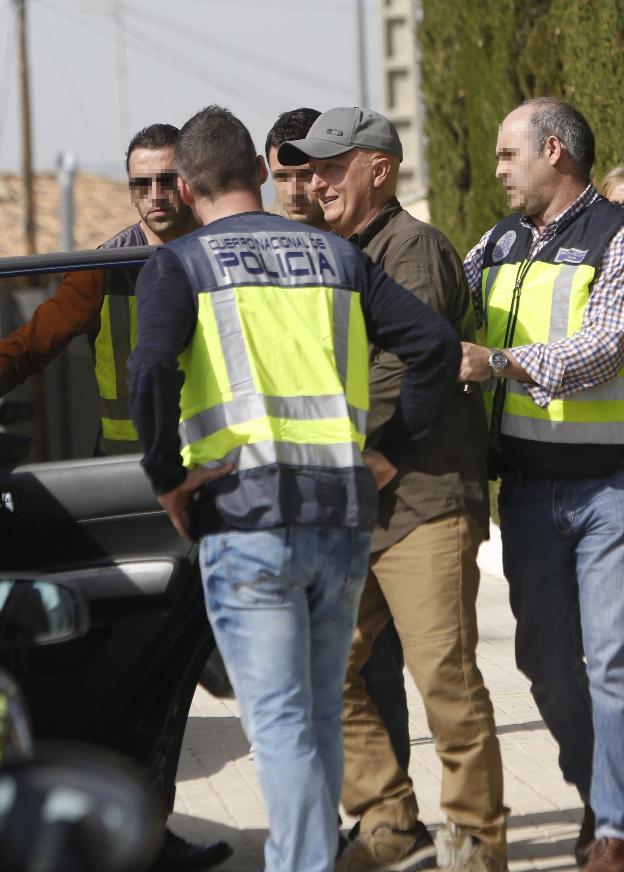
(613, 179)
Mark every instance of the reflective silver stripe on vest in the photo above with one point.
(560, 306)
(247, 404)
(247, 408)
(119, 313)
(232, 342)
(116, 410)
(611, 390)
(341, 315)
(603, 433)
(491, 276)
(120, 332)
(344, 454)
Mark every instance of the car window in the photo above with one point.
(60, 410)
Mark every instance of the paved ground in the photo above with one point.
(218, 795)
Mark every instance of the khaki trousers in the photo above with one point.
(427, 582)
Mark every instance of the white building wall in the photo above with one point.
(401, 97)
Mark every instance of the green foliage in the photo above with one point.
(480, 58)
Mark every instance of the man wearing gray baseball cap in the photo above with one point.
(432, 517)
(338, 131)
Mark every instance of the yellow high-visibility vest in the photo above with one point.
(112, 346)
(555, 288)
(276, 371)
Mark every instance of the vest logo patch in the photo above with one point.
(570, 255)
(503, 246)
(262, 258)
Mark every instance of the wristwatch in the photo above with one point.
(498, 362)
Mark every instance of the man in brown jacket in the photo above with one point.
(433, 516)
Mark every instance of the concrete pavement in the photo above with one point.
(218, 794)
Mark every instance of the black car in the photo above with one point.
(92, 525)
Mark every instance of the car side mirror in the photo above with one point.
(75, 808)
(39, 612)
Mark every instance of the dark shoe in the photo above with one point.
(214, 677)
(343, 844)
(178, 855)
(386, 850)
(586, 837)
(605, 855)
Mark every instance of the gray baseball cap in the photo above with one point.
(338, 131)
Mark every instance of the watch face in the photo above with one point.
(498, 361)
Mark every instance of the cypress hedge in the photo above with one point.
(480, 58)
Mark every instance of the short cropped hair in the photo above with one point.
(290, 125)
(215, 153)
(554, 117)
(154, 136)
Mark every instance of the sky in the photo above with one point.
(102, 69)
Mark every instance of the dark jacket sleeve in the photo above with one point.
(167, 317)
(429, 348)
(73, 310)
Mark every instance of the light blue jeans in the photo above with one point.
(563, 555)
(282, 604)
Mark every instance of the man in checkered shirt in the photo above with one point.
(548, 285)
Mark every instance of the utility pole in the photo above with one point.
(122, 72)
(361, 53)
(66, 172)
(28, 197)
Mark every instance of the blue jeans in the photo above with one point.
(283, 604)
(563, 555)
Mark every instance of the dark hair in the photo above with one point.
(216, 154)
(554, 117)
(153, 136)
(290, 125)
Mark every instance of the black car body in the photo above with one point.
(93, 524)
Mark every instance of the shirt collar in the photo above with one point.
(567, 216)
(376, 224)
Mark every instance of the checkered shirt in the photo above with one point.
(595, 353)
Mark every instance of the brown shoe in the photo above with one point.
(605, 855)
(386, 850)
(586, 837)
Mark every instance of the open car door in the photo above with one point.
(94, 525)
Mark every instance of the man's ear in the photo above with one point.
(380, 168)
(263, 173)
(553, 150)
(186, 194)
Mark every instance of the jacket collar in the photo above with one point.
(387, 211)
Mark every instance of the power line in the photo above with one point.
(197, 71)
(287, 5)
(151, 18)
(122, 70)
(161, 52)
